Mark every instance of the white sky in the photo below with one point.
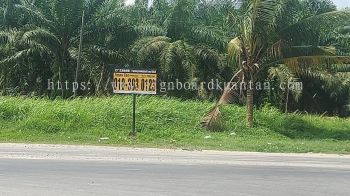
(128, 2)
(342, 3)
(339, 3)
(150, 2)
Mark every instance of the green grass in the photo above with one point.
(166, 123)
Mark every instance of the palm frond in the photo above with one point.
(311, 30)
(35, 14)
(20, 42)
(282, 72)
(168, 61)
(4, 37)
(19, 57)
(145, 48)
(340, 68)
(277, 48)
(265, 12)
(42, 37)
(285, 75)
(10, 36)
(177, 61)
(146, 30)
(211, 120)
(298, 64)
(185, 52)
(2, 18)
(207, 54)
(105, 54)
(309, 50)
(211, 36)
(235, 49)
(318, 68)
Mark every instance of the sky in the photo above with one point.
(339, 3)
(128, 2)
(342, 3)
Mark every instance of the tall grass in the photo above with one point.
(165, 122)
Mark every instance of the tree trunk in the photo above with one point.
(250, 107)
(287, 100)
(79, 52)
(98, 92)
(60, 80)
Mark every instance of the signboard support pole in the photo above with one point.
(133, 133)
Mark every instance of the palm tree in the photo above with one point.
(18, 72)
(174, 58)
(8, 15)
(333, 78)
(260, 44)
(180, 49)
(54, 29)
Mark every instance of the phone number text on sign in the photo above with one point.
(132, 81)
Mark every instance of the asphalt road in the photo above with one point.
(37, 170)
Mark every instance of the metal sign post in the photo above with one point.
(135, 82)
(133, 132)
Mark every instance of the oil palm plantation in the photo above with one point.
(181, 50)
(189, 40)
(54, 29)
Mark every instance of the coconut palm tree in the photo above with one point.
(261, 44)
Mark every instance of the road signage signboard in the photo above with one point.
(134, 81)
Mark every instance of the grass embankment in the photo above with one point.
(166, 123)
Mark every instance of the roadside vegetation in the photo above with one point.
(167, 123)
(189, 40)
(43, 42)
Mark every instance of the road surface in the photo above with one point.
(36, 170)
